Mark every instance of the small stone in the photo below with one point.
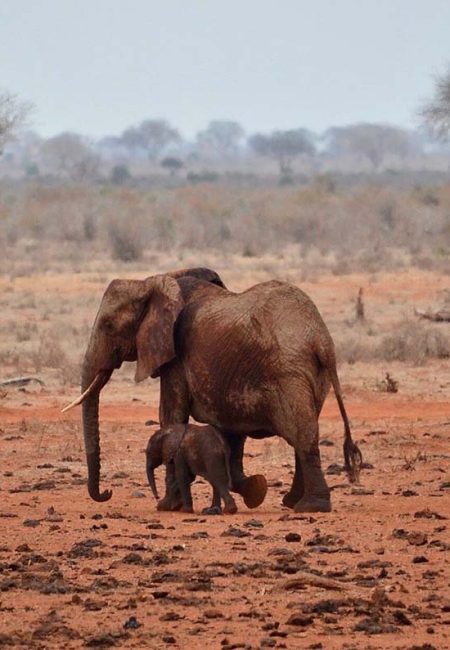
(419, 559)
(417, 539)
(137, 494)
(359, 491)
(300, 620)
(132, 623)
(32, 523)
(253, 523)
(235, 532)
(169, 638)
(293, 537)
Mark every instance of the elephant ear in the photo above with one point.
(155, 337)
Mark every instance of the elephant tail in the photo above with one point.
(352, 454)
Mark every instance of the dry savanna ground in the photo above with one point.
(372, 574)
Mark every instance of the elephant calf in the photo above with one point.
(187, 451)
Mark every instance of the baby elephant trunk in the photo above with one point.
(151, 478)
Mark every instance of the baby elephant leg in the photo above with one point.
(219, 478)
(215, 508)
(172, 498)
(184, 478)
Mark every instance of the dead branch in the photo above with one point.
(20, 381)
(439, 315)
(303, 578)
(359, 307)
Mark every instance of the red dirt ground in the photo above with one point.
(374, 573)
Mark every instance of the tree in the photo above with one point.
(69, 155)
(13, 114)
(435, 113)
(221, 137)
(172, 164)
(152, 136)
(372, 141)
(120, 174)
(284, 147)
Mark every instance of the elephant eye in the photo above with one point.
(107, 325)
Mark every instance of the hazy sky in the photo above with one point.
(98, 66)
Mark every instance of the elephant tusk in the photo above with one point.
(92, 386)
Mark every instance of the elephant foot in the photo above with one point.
(313, 504)
(290, 499)
(230, 508)
(212, 510)
(169, 505)
(253, 490)
(188, 509)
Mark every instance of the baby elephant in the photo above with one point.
(192, 450)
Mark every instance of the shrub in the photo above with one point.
(119, 175)
(126, 242)
(414, 342)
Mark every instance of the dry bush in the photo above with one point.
(414, 342)
(355, 346)
(368, 228)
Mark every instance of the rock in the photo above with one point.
(428, 514)
(253, 523)
(401, 617)
(293, 537)
(132, 623)
(169, 638)
(372, 626)
(32, 523)
(300, 619)
(137, 494)
(133, 558)
(417, 539)
(359, 491)
(235, 532)
(171, 616)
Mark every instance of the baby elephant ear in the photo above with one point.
(155, 337)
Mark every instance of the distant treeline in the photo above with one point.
(155, 147)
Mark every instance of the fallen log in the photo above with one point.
(439, 315)
(20, 381)
(303, 578)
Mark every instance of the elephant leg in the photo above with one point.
(305, 440)
(215, 508)
(184, 478)
(296, 491)
(316, 494)
(218, 476)
(253, 489)
(230, 504)
(173, 409)
(174, 405)
(172, 498)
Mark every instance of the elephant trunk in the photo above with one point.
(92, 438)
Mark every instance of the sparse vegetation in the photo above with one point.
(364, 229)
(414, 342)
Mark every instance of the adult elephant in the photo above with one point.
(255, 363)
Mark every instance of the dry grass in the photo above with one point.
(368, 228)
(414, 342)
